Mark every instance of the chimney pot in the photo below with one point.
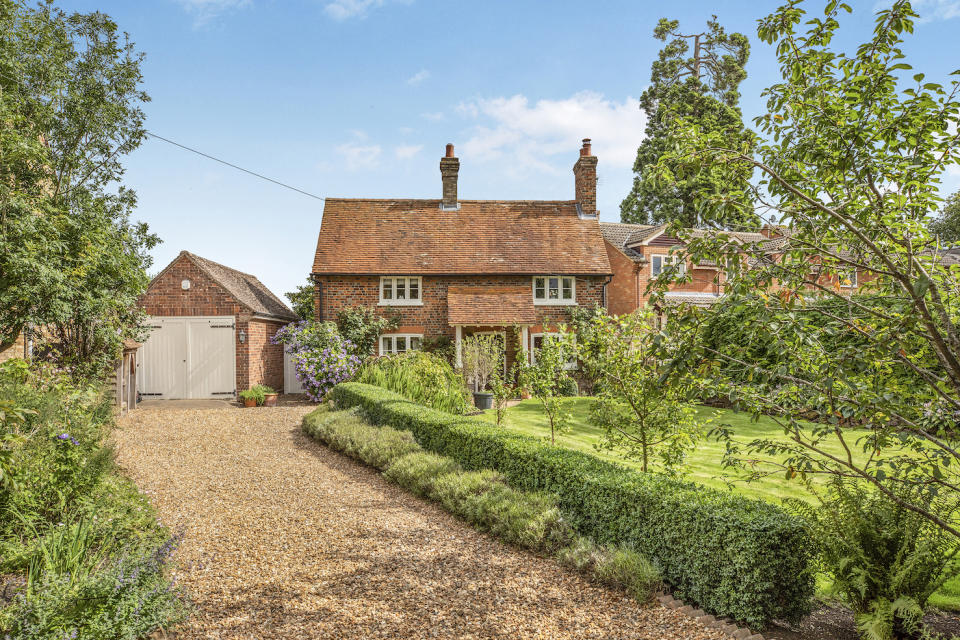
(450, 150)
(585, 150)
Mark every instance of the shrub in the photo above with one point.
(615, 566)
(418, 471)
(363, 325)
(884, 560)
(423, 377)
(731, 555)
(321, 357)
(347, 432)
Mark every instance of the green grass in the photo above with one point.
(704, 464)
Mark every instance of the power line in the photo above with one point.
(230, 164)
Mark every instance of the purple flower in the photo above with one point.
(63, 436)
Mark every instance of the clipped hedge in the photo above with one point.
(730, 555)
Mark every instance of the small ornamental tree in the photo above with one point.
(301, 300)
(363, 325)
(641, 409)
(548, 376)
(322, 358)
(481, 355)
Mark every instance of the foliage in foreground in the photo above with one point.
(731, 556)
(89, 545)
(71, 259)
(483, 498)
(423, 377)
(548, 378)
(882, 559)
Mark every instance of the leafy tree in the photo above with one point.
(851, 162)
(362, 326)
(481, 357)
(301, 300)
(548, 376)
(703, 86)
(642, 414)
(947, 224)
(71, 261)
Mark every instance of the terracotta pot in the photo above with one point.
(270, 399)
(249, 402)
(525, 395)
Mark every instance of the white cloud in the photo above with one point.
(534, 136)
(346, 9)
(405, 152)
(418, 77)
(204, 11)
(360, 156)
(929, 10)
(436, 116)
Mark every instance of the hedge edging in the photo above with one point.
(736, 557)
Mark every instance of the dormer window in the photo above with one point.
(401, 290)
(554, 290)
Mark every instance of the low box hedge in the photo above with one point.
(732, 556)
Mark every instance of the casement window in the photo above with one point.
(849, 279)
(401, 290)
(536, 343)
(400, 342)
(658, 264)
(554, 290)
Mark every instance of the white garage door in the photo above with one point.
(188, 358)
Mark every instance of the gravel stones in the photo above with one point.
(284, 538)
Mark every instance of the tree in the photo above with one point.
(548, 375)
(854, 149)
(362, 326)
(703, 87)
(301, 300)
(947, 225)
(643, 414)
(71, 261)
(482, 356)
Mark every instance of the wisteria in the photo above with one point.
(321, 357)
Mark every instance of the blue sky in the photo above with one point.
(358, 97)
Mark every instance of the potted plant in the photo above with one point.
(269, 395)
(481, 355)
(251, 397)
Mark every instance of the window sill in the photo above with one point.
(551, 303)
(389, 303)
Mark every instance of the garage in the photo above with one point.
(189, 358)
(209, 328)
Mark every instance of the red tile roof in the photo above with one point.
(490, 306)
(415, 237)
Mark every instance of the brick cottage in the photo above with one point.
(455, 268)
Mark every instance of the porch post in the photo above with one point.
(524, 341)
(459, 353)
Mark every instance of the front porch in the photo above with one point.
(506, 312)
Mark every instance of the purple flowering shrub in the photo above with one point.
(322, 358)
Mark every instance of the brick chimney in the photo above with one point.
(449, 168)
(585, 181)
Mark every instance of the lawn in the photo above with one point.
(704, 464)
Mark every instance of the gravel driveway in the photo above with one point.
(286, 539)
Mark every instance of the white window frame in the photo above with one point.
(848, 280)
(560, 300)
(570, 366)
(665, 261)
(392, 301)
(393, 343)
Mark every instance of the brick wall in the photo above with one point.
(257, 361)
(16, 350)
(337, 292)
(624, 288)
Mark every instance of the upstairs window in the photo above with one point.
(554, 290)
(659, 264)
(399, 343)
(401, 290)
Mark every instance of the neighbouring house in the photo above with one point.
(638, 253)
(450, 268)
(209, 332)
